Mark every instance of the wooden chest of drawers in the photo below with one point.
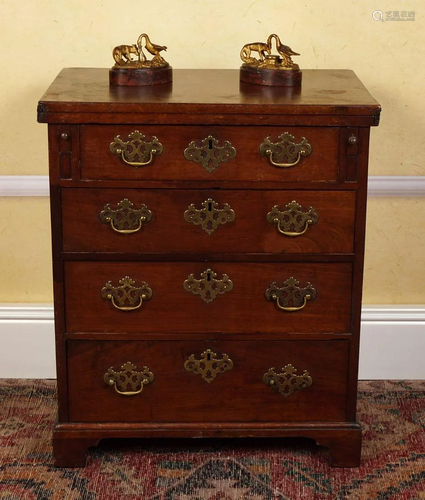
(208, 241)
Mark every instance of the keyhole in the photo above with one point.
(210, 144)
(208, 276)
(209, 206)
(208, 356)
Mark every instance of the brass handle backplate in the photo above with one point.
(290, 297)
(125, 219)
(208, 153)
(208, 366)
(128, 381)
(209, 216)
(287, 382)
(136, 152)
(294, 221)
(208, 287)
(285, 153)
(126, 296)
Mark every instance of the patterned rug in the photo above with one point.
(392, 414)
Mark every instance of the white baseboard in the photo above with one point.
(394, 185)
(27, 341)
(392, 342)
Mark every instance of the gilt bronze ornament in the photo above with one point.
(133, 68)
(263, 67)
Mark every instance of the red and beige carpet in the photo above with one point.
(392, 414)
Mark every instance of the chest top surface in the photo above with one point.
(77, 92)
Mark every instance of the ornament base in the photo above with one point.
(139, 77)
(270, 77)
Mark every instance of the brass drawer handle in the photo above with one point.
(126, 293)
(285, 153)
(136, 152)
(125, 219)
(290, 297)
(287, 382)
(208, 153)
(294, 221)
(209, 216)
(208, 287)
(208, 366)
(127, 378)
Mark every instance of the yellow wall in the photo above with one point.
(25, 262)
(395, 244)
(39, 37)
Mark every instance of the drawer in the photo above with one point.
(189, 221)
(194, 297)
(239, 154)
(207, 381)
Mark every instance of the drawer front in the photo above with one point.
(238, 381)
(189, 221)
(194, 297)
(315, 159)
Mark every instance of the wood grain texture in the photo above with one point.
(169, 233)
(213, 184)
(238, 395)
(54, 133)
(342, 438)
(360, 231)
(99, 163)
(87, 90)
(173, 309)
(137, 77)
(270, 77)
(91, 335)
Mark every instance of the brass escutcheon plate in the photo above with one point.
(208, 287)
(209, 153)
(208, 366)
(209, 217)
(287, 382)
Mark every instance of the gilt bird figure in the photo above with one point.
(152, 48)
(284, 51)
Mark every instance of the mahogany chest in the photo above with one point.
(208, 241)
